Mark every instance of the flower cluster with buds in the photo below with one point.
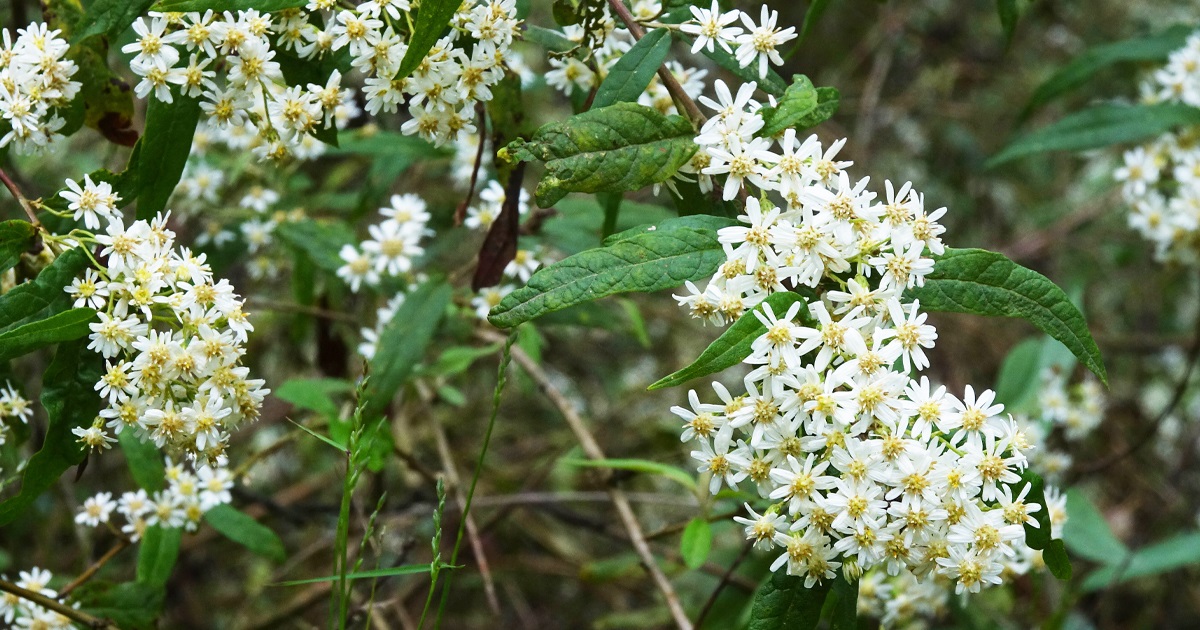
(250, 104)
(22, 613)
(35, 84)
(172, 338)
(13, 407)
(188, 495)
(1161, 179)
(1072, 410)
(860, 463)
(393, 247)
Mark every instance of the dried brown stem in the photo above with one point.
(16, 193)
(592, 449)
(49, 603)
(96, 566)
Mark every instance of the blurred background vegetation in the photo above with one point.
(930, 89)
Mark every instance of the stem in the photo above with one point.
(460, 213)
(505, 358)
(16, 193)
(669, 81)
(96, 566)
(50, 604)
(619, 500)
(725, 579)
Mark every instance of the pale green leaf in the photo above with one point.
(403, 342)
(1088, 535)
(645, 466)
(696, 542)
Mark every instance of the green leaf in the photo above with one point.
(242, 529)
(783, 602)
(320, 241)
(1020, 377)
(157, 556)
(330, 441)
(1100, 126)
(129, 605)
(696, 542)
(1008, 17)
(16, 238)
(612, 212)
(454, 361)
(110, 17)
(1087, 534)
(408, 569)
(1036, 537)
(734, 344)
(164, 152)
(1055, 557)
(986, 283)
(1167, 555)
(70, 400)
(645, 466)
(828, 100)
(842, 604)
(389, 144)
(432, 19)
(145, 462)
(43, 296)
(265, 6)
(815, 10)
(1084, 67)
(628, 78)
(621, 147)
(773, 84)
(403, 342)
(64, 326)
(313, 394)
(651, 259)
(797, 103)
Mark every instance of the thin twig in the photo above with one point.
(460, 213)
(50, 604)
(592, 449)
(96, 566)
(451, 470)
(16, 193)
(1152, 428)
(725, 580)
(669, 81)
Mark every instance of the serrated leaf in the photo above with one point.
(433, 17)
(157, 556)
(783, 602)
(1084, 67)
(628, 78)
(980, 282)
(797, 103)
(773, 84)
(678, 475)
(242, 529)
(170, 128)
(618, 148)
(70, 400)
(1087, 534)
(43, 296)
(676, 251)
(110, 17)
(320, 241)
(64, 326)
(403, 342)
(734, 344)
(145, 462)
(16, 237)
(129, 605)
(1100, 126)
(408, 569)
(265, 6)
(696, 543)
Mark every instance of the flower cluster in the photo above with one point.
(393, 246)
(863, 464)
(35, 82)
(172, 338)
(1161, 179)
(13, 406)
(22, 613)
(251, 104)
(189, 494)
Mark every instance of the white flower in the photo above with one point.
(96, 510)
(711, 26)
